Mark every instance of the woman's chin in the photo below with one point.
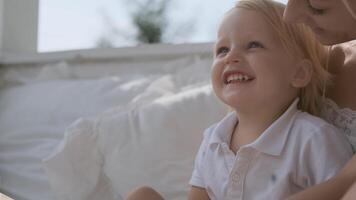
(332, 39)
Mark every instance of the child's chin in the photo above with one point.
(238, 105)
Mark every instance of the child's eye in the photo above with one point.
(314, 10)
(222, 50)
(254, 44)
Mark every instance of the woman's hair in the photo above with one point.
(298, 40)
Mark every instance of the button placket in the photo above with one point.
(238, 173)
(235, 177)
(229, 156)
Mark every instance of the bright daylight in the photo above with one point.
(177, 100)
(82, 24)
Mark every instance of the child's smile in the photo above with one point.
(233, 77)
(251, 68)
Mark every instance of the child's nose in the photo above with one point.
(232, 57)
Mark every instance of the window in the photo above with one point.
(83, 24)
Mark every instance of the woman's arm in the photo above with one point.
(334, 188)
(351, 193)
(198, 193)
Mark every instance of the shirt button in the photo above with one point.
(235, 177)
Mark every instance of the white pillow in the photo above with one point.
(33, 118)
(126, 70)
(38, 103)
(153, 144)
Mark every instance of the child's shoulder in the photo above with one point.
(311, 126)
(312, 120)
(314, 136)
(307, 121)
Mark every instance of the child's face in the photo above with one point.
(251, 68)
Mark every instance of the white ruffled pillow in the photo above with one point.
(34, 117)
(153, 144)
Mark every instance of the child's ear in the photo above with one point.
(302, 74)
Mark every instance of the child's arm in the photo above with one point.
(334, 188)
(198, 193)
(4, 197)
(197, 181)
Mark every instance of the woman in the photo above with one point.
(334, 23)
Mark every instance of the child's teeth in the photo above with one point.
(237, 77)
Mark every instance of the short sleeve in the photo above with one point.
(75, 167)
(197, 178)
(325, 153)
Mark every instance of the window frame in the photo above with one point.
(19, 36)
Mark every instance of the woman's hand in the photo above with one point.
(348, 172)
(334, 188)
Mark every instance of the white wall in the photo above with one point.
(1, 23)
(18, 26)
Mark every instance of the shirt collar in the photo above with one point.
(271, 141)
(223, 129)
(274, 138)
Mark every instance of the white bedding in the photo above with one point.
(172, 104)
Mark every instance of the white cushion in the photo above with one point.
(38, 103)
(33, 118)
(153, 144)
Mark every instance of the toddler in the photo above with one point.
(272, 75)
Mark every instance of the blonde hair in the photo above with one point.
(298, 40)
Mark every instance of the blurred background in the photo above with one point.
(85, 24)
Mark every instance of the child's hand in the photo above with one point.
(4, 197)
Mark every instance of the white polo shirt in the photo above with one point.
(297, 151)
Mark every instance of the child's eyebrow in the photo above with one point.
(218, 41)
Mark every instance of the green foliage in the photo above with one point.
(104, 42)
(151, 23)
(149, 17)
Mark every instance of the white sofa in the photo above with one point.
(88, 126)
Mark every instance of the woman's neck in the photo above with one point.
(343, 67)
